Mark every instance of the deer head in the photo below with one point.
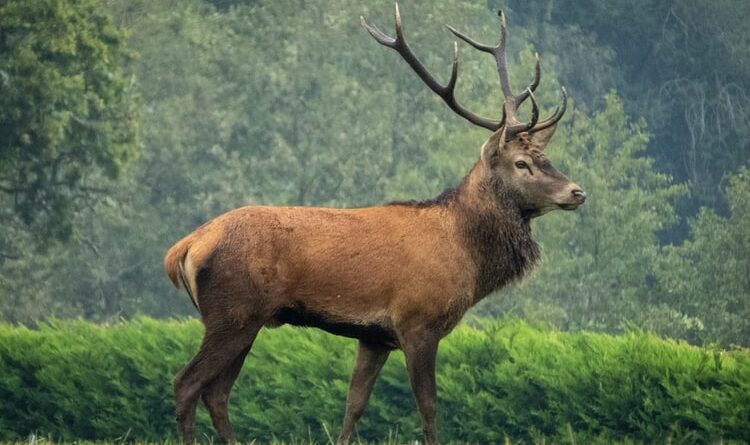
(513, 156)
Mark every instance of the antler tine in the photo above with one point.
(498, 51)
(534, 83)
(534, 110)
(451, 85)
(556, 115)
(502, 62)
(447, 92)
(377, 34)
(514, 127)
(480, 46)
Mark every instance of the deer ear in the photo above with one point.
(542, 137)
(491, 148)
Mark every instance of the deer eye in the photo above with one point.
(521, 164)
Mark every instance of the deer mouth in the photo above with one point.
(578, 198)
(570, 206)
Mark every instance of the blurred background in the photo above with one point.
(126, 124)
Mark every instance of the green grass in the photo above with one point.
(393, 439)
(503, 382)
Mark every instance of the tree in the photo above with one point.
(291, 103)
(707, 277)
(681, 66)
(68, 114)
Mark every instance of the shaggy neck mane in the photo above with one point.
(492, 226)
(495, 231)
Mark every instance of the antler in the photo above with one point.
(447, 92)
(512, 102)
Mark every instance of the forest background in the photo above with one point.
(126, 124)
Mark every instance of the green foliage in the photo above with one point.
(76, 380)
(680, 65)
(66, 105)
(708, 276)
(261, 102)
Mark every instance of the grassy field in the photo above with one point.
(502, 383)
(394, 439)
(390, 441)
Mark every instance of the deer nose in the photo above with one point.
(579, 194)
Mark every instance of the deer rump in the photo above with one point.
(359, 273)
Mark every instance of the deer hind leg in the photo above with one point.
(369, 362)
(219, 350)
(216, 397)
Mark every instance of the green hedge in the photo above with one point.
(78, 380)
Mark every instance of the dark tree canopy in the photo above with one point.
(68, 113)
(681, 66)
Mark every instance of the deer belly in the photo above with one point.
(372, 329)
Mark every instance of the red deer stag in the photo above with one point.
(397, 276)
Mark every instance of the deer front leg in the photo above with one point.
(369, 362)
(420, 352)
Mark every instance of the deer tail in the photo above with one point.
(174, 263)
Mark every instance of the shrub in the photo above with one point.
(78, 380)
